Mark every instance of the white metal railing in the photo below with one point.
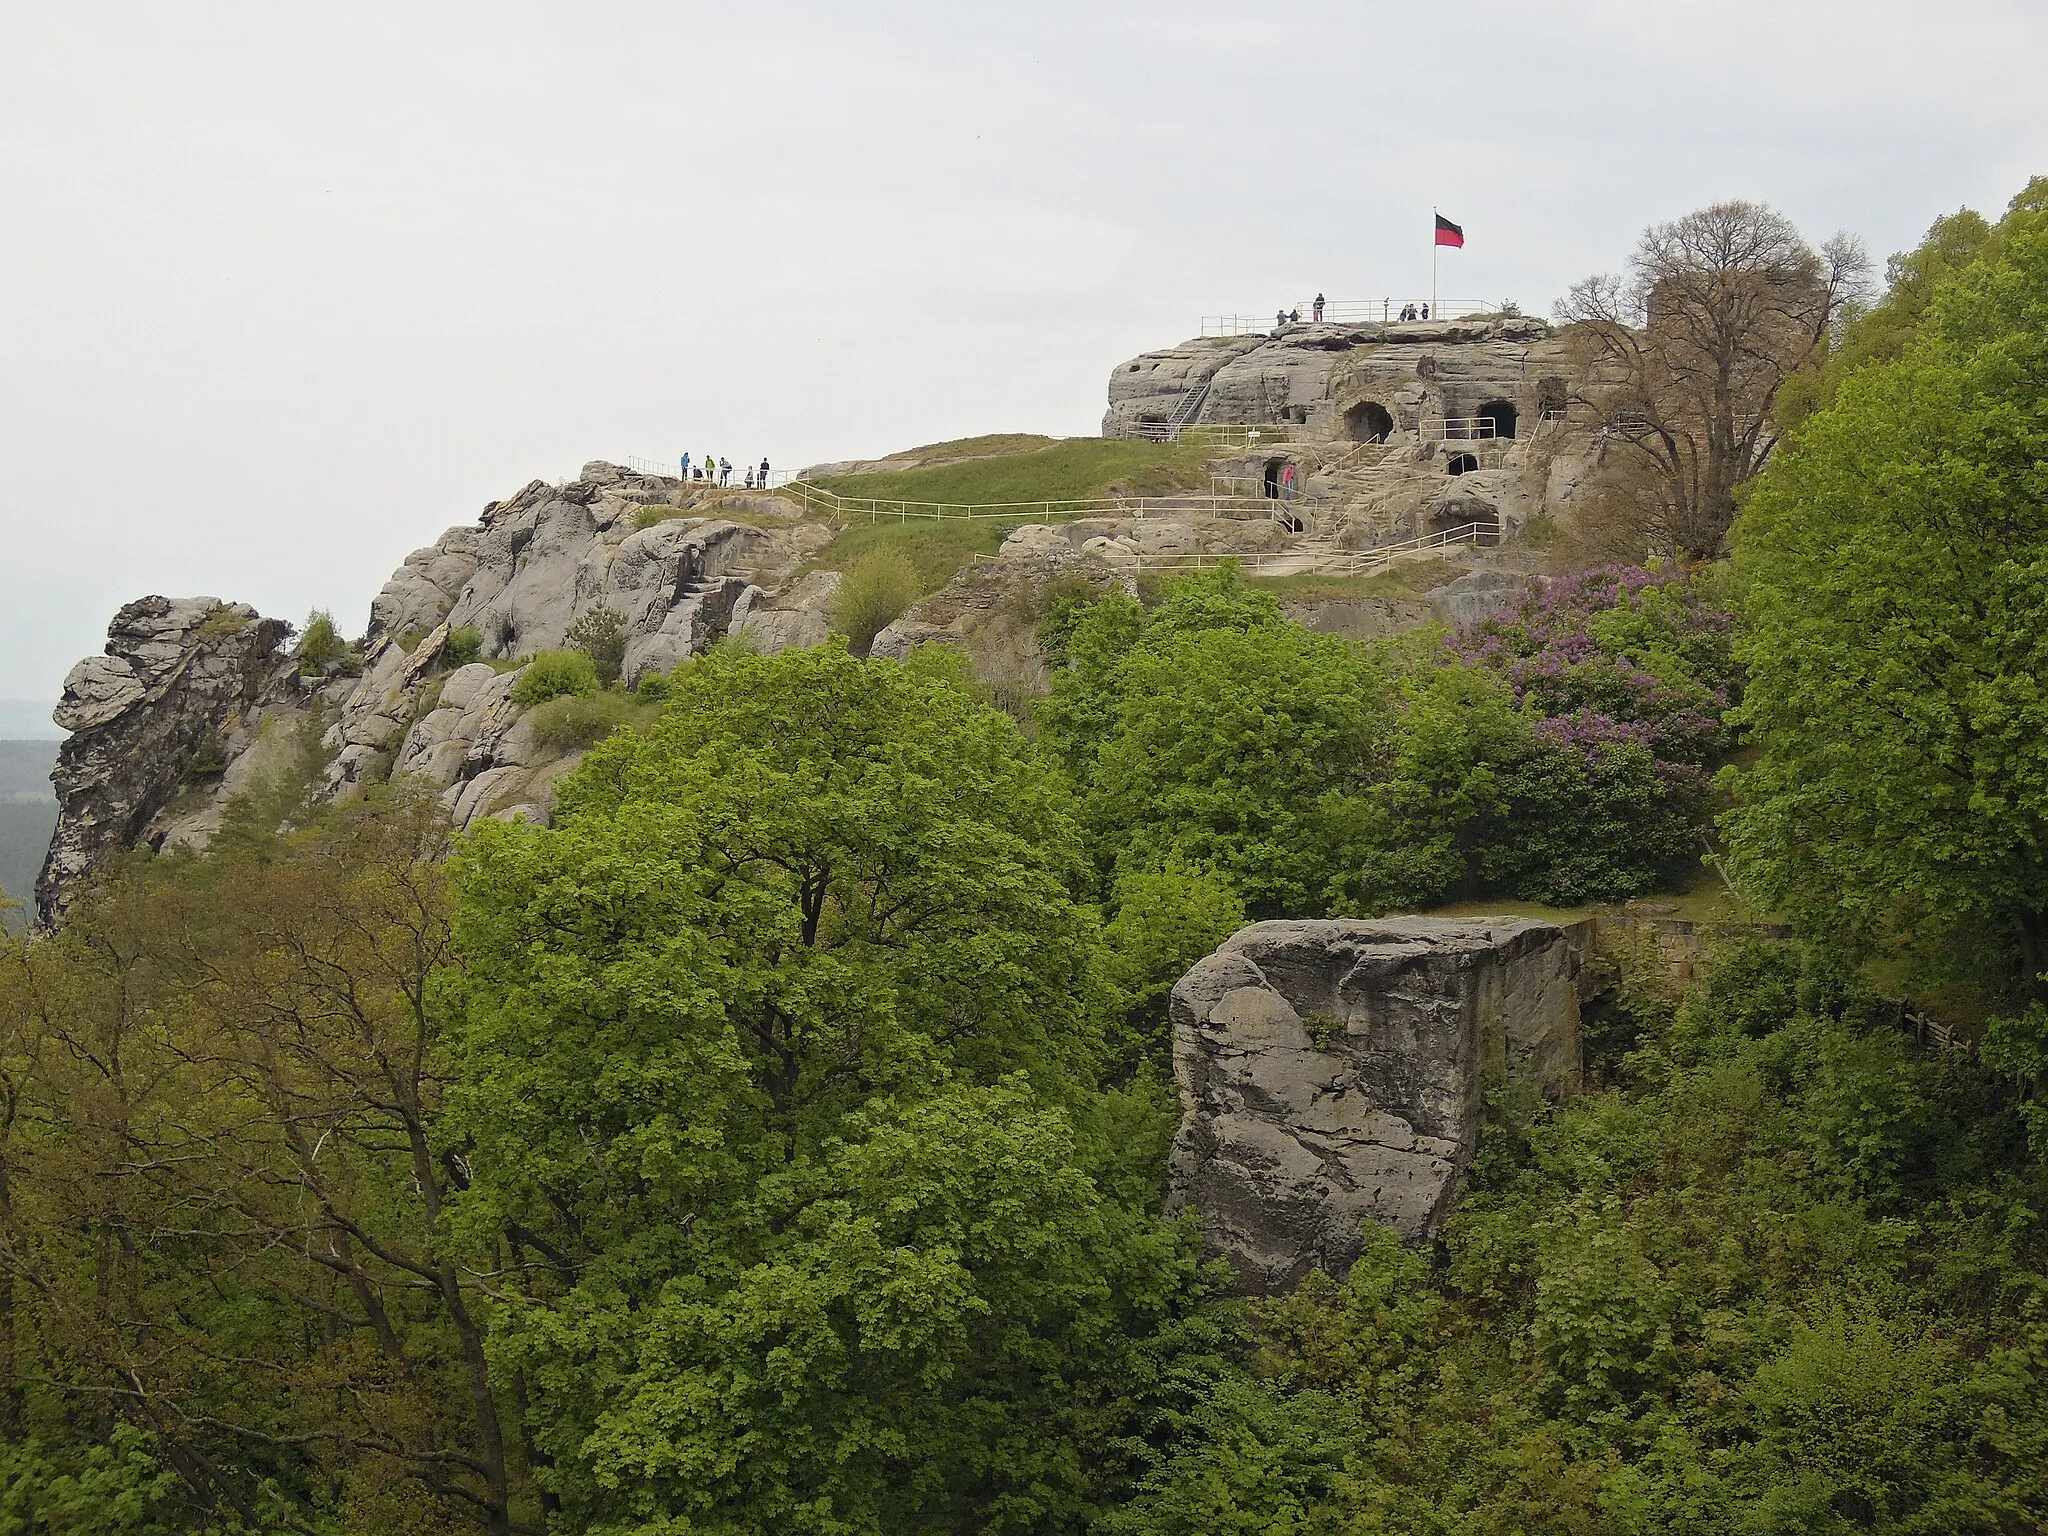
(1276, 434)
(1459, 429)
(1350, 312)
(1200, 505)
(1362, 562)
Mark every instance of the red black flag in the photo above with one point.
(1448, 233)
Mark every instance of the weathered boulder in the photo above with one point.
(1333, 1073)
(176, 678)
(1479, 594)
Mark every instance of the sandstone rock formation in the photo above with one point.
(1319, 376)
(162, 703)
(1334, 1072)
(1393, 432)
(192, 699)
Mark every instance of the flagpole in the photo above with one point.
(1434, 215)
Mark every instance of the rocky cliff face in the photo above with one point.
(1332, 1073)
(193, 697)
(1316, 376)
(165, 704)
(1376, 421)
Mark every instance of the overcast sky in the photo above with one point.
(286, 290)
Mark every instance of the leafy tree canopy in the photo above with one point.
(770, 1058)
(1895, 572)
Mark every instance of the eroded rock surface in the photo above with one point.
(192, 701)
(172, 689)
(1334, 1072)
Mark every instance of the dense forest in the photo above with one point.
(776, 1143)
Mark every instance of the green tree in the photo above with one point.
(768, 1053)
(1165, 921)
(1895, 573)
(1214, 732)
(221, 1205)
(599, 633)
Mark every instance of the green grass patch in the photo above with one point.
(937, 548)
(988, 445)
(1696, 895)
(1072, 469)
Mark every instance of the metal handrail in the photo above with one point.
(1200, 504)
(1274, 434)
(1460, 429)
(1351, 312)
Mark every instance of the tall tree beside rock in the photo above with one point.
(1717, 310)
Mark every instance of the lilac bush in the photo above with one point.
(1625, 677)
(1613, 654)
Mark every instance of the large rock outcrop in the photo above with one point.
(1333, 1073)
(1392, 431)
(164, 701)
(192, 700)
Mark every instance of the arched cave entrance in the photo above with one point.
(1503, 415)
(1273, 468)
(1462, 463)
(1368, 422)
(1550, 399)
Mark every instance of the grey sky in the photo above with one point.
(285, 290)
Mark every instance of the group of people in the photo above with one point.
(1315, 313)
(717, 471)
(1293, 316)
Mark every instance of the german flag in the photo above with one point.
(1448, 233)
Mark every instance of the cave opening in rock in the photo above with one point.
(1368, 422)
(1462, 463)
(1550, 398)
(1273, 468)
(1503, 415)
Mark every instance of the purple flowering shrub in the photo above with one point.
(1616, 655)
(1623, 678)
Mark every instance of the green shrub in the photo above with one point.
(554, 675)
(583, 720)
(600, 633)
(208, 758)
(321, 646)
(873, 595)
(464, 645)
